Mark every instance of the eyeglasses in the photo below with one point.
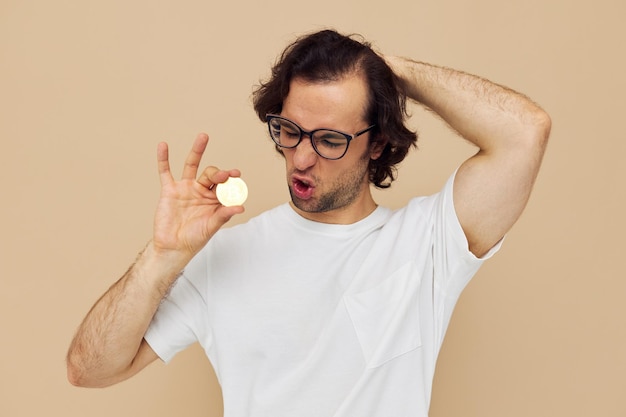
(328, 143)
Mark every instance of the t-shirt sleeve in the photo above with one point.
(453, 232)
(181, 319)
(454, 264)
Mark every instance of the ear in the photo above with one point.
(377, 146)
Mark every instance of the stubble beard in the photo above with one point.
(344, 191)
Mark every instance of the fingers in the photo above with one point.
(212, 176)
(192, 162)
(224, 214)
(163, 164)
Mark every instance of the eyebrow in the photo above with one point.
(345, 132)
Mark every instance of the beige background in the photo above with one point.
(88, 88)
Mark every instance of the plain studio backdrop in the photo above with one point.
(88, 89)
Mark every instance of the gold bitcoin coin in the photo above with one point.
(233, 192)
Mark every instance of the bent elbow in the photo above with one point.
(89, 373)
(536, 131)
(79, 376)
(544, 126)
(541, 127)
(75, 375)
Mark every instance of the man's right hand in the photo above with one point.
(188, 213)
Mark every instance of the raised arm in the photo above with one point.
(491, 188)
(109, 345)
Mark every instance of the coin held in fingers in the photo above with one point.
(233, 192)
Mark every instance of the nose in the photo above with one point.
(304, 156)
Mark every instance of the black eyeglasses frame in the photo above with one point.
(349, 137)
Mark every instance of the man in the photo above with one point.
(329, 305)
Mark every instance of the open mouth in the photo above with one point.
(302, 189)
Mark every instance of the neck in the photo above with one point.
(352, 213)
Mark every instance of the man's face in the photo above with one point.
(320, 188)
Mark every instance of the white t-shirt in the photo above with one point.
(307, 319)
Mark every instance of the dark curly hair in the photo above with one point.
(328, 56)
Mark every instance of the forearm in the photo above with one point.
(108, 340)
(489, 115)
